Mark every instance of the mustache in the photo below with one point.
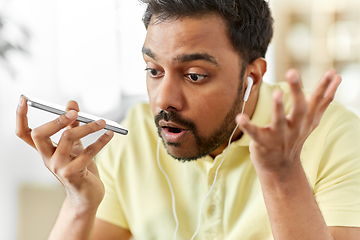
(175, 118)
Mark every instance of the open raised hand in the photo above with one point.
(275, 147)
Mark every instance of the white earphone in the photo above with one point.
(248, 88)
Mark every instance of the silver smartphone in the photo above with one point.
(82, 117)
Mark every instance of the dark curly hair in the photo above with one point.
(249, 22)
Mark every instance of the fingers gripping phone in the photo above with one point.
(82, 117)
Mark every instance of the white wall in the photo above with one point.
(74, 53)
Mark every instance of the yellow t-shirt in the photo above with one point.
(138, 197)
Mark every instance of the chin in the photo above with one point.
(181, 154)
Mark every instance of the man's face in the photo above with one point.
(194, 85)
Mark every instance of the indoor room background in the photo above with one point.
(90, 51)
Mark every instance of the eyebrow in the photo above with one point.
(185, 57)
(148, 52)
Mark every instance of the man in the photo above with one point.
(282, 176)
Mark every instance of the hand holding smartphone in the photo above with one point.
(82, 117)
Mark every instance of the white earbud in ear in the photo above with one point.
(248, 88)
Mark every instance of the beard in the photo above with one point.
(204, 145)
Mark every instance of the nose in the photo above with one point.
(170, 94)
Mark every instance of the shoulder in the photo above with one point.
(267, 89)
(333, 145)
(341, 126)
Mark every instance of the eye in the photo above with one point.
(195, 77)
(154, 73)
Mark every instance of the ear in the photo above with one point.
(256, 71)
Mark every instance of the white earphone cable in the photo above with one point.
(216, 174)
(207, 195)
(171, 190)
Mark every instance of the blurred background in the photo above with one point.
(90, 51)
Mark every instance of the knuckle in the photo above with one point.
(90, 150)
(77, 145)
(67, 174)
(36, 133)
(318, 98)
(67, 135)
(300, 112)
(90, 127)
(280, 122)
(19, 133)
(22, 134)
(62, 121)
(329, 99)
(54, 168)
(254, 134)
(59, 121)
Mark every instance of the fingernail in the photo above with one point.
(109, 133)
(100, 122)
(21, 101)
(71, 114)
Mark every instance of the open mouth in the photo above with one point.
(173, 134)
(174, 130)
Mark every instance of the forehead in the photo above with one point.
(170, 38)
